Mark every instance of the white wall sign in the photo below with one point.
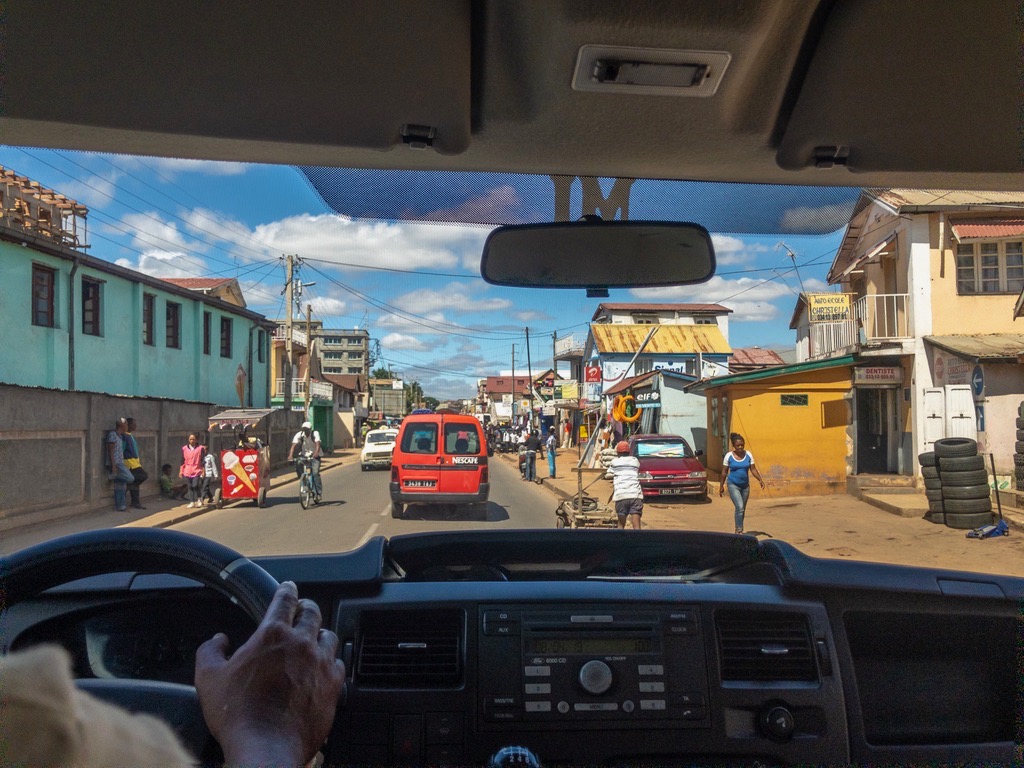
(879, 375)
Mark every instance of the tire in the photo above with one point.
(397, 510)
(969, 521)
(1019, 446)
(935, 495)
(304, 494)
(930, 473)
(936, 507)
(935, 517)
(967, 506)
(559, 521)
(927, 459)
(960, 463)
(261, 498)
(956, 446)
(218, 499)
(363, 467)
(933, 484)
(1020, 433)
(1018, 460)
(1020, 409)
(970, 477)
(964, 492)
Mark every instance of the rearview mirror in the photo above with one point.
(598, 254)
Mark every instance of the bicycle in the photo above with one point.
(307, 482)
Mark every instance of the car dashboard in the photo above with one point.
(604, 648)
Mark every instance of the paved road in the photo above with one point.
(356, 506)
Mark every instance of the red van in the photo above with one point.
(440, 458)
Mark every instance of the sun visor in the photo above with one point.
(911, 87)
(329, 81)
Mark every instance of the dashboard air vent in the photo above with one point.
(410, 649)
(762, 646)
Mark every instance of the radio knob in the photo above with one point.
(595, 677)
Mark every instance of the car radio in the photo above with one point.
(597, 664)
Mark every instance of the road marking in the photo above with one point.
(366, 536)
(387, 511)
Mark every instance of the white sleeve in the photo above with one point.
(725, 460)
(751, 458)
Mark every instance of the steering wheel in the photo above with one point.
(144, 550)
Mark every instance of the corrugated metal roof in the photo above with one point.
(352, 382)
(198, 282)
(1004, 226)
(768, 373)
(754, 356)
(631, 382)
(982, 347)
(639, 307)
(626, 338)
(901, 200)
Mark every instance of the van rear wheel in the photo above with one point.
(397, 510)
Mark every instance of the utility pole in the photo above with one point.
(289, 288)
(529, 372)
(309, 355)
(513, 382)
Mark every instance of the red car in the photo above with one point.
(668, 466)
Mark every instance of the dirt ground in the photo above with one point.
(838, 526)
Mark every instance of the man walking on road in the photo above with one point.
(626, 491)
(550, 446)
(134, 464)
(532, 445)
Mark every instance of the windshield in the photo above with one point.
(235, 301)
(663, 449)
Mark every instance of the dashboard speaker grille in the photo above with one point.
(765, 647)
(411, 649)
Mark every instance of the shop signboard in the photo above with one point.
(877, 375)
(829, 307)
(950, 369)
(592, 374)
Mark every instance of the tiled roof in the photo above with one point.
(626, 338)
(636, 307)
(1004, 226)
(353, 382)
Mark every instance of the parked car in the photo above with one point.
(377, 448)
(669, 466)
(440, 458)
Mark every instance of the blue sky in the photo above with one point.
(416, 286)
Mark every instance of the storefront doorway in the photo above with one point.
(877, 431)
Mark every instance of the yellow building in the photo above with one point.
(795, 420)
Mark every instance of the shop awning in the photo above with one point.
(982, 347)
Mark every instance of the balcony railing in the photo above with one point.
(316, 389)
(878, 317)
(298, 337)
(570, 346)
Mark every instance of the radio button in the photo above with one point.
(596, 706)
(595, 677)
(501, 629)
(677, 616)
(563, 707)
(628, 706)
(506, 700)
(651, 669)
(537, 671)
(682, 629)
(652, 687)
(538, 688)
(693, 713)
(652, 704)
(688, 699)
(508, 616)
(591, 619)
(538, 706)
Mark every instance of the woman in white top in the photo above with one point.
(737, 466)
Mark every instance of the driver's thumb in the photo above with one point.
(213, 652)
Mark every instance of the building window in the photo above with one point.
(794, 400)
(225, 337)
(705, 321)
(645, 319)
(173, 325)
(148, 304)
(990, 267)
(355, 370)
(90, 307)
(643, 366)
(44, 281)
(261, 343)
(332, 355)
(206, 333)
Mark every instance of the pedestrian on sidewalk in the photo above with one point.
(167, 487)
(134, 464)
(626, 491)
(737, 466)
(567, 434)
(192, 455)
(211, 474)
(532, 447)
(550, 446)
(119, 475)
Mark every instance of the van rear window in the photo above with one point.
(421, 438)
(461, 439)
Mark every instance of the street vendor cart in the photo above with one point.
(583, 510)
(240, 438)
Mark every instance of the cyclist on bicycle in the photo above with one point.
(307, 441)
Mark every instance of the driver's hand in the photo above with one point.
(273, 701)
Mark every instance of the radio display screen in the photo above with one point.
(597, 646)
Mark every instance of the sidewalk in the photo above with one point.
(837, 526)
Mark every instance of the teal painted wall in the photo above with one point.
(117, 361)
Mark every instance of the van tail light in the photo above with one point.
(483, 461)
(483, 476)
(394, 474)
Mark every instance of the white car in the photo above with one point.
(377, 448)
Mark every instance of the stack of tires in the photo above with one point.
(956, 484)
(1018, 457)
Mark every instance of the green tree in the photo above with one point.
(431, 402)
(380, 373)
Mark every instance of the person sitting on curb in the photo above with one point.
(167, 487)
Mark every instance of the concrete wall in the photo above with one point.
(117, 361)
(800, 450)
(1004, 392)
(52, 453)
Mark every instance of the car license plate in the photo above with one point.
(420, 483)
(670, 491)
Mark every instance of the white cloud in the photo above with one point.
(161, 264)
(400, 323)
(733, 250)
(149, 231)
(825, 219)
(751, 299)
(171, 167)
(327, 306)
(531, 316)
(95, 191)
(401, 341)
(458, 297)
